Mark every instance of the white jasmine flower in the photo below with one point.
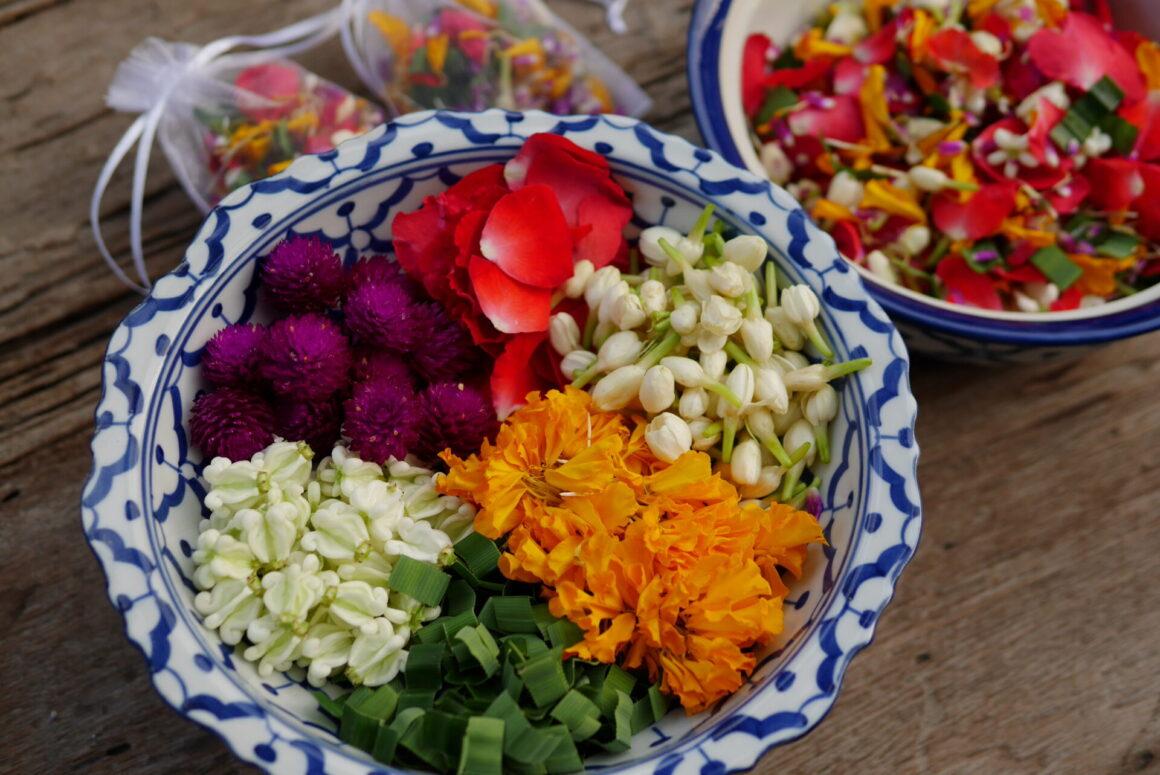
(617, 390)
(799, 434)
(658, 389)
(620, 349)
(746, 462)
(784, 329)
(776, 163)
(720, 317)
(821, 406)
(376, 657)
(602, 281)
(747, 251)
(757, 336)
(879, 265)
(564, 333)
(653, 296)
(582, 272)
(705, 433)
(767, 482)
(627, 312)
(668, 436)
(649, 244)
(684, 318)
(708, 342)
(608, 302)
(694, 403)
(846, 190)
(729, 279)
(769, 389)
(576, 362)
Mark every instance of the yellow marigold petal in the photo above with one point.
(1148, 58)
(1051, 12)
(604, 646)
(394, 30)
(813, 44)
(874, 9)
(1013, 229)
(875, 109)
(590, 471)
(437, 46)
(481, 7)
(825, 210)
(923, 27)
(977, 9)
(880, 195)
(1099, 274)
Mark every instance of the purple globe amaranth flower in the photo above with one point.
(307, 356)
(386, 315)
(373, 364)
(455, 416)
(380, 270)
(303, 274)
(381, 420)
(233, 356)
(231, 423)
(447, 354)
(318, 423)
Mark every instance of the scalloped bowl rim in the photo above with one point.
(718, 115)
(112, 550)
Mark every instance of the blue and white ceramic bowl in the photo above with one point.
(140, 506)
(717, 34)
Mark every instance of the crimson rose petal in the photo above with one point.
(511, 306)
(527, 237)
(1082, 52)
(978, 217)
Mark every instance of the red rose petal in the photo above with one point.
(1115, 183)
(978, 217)
(954, 51)
(879, 47)
(848, 240)
(512, 378)
(553, 148)
(796, 77)
(511, 306)
(1028, 273)
(1021, 77)
(1082, 52)
(480, 189)
(273, 81)
(842, 122)
(1077, 190)
(997, 25)
(1148, 205)
(753, 72)
(966, 286)
(849, 75)
(527, 237)
(1068, 300)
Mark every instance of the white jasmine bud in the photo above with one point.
(708, 342)
(564, 333)
(987, 43)
(668, 436)
(783, 422)
(913, 240)
(879, 265)
(821, 406)
(847, 27)
(576, 362)
(800, 303)
(720, 317)
(846, 190)
(746, 462)
(684, 318)
(694, 403)
(705, 432)
(1054, 92)
(619, 349)
(1025, 303)
(741, 382)
(628, 312)
(729, 279)
(649, 244)
(748, 251)
(697, 282)
(928, 178)
(714, 364)
(1044, 293)
(791, 359)
(767, 482)
(806, 379)
(658, 389)
(757, 336)
(617, 390)
(653, 296)
(582, 272)
(686, 371)
(801, 432)
(769, 390)
(602, 281)
(610, 299)
(784, 329)
(777, 165)
(919, 128)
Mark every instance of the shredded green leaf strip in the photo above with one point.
(514, 614)
(479, 553)
(1056, 266)
(1117, 244)
(482, 751)
(424, 668)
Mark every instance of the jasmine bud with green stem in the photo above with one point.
(802, 307)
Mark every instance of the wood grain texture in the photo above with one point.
(1024, 637)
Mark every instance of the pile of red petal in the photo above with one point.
(494, 248)
(1035, 136)
(362, 353)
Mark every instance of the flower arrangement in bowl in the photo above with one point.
(482, 442)
(989, 184)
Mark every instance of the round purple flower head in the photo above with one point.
(376, 270)
(448, 354)
(372, 364)
(303, 274)
(386, 315)
(381, 419)
(307, 356)
(231, 423)
(316, 422)
(233, 356)
(453, 416)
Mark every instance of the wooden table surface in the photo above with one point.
(1024, 636)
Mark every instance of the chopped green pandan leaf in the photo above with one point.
(777, 100)
(580, 714)
(616, 681)
(423, 699)
(482, 749)
(616, 736)
(1123, 133)
(329, 705)
(431, 632)
(939, 106)
(453, 624)
(482, 647)
(424, 582)
(563, 633)
(544, 618)
(479, 553)
(527, 646)
(543, 676)
(1079, 225)
(357, 728)
(1086, 113)
(514, 614)
(522, 742)
(450, 702)
(424, 668)
(564, 757)
(519, 768)
(386, 741)
(436, 739)
(787, 59)
(1107, 94)
(649, 709)
(1117, 244)
(1056, 266)
(460, 597)
(487, 613)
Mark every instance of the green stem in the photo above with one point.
(589, 329)
(848, 367)
(674, 254)
(818, 341)
(770, 285)
(654, 273)
(773, 444)
(822, 439)
(961, 185)
(728, 435)
(723, 391)
(584, 377)
(799, 454)
(711, 430)
(702, 223)
(557, 297)
(663, 348)
(940, 250)
(678, 297)
(736, 353)
(633, 261)
(792, 475)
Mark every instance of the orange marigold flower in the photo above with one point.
(659, 564)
